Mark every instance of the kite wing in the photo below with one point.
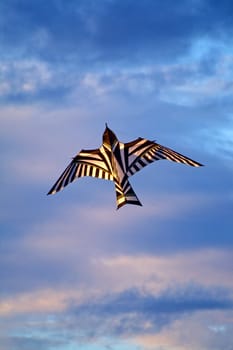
(142, 152)
(86, 163)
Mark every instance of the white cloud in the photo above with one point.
(218, 141)
(157, 272)
(191, 332)
(22, 76)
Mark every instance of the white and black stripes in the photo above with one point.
(125, 193)
(77, 169)
(116, 161)
(148, 152)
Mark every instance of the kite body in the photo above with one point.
(117, 161)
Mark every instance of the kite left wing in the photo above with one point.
(86, 163)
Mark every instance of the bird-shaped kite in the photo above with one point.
(117, 161)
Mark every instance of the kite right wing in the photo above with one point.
(86, 163)
(142, 152)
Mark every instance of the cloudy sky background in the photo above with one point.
(74, 272)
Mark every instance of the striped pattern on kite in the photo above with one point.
(75, 170)
(117, 161)
(153, 152)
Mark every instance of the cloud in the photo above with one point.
(75, 273)
(89, 275)
(39, 301)
(27, 343)
(191, 298)
(132, 316)
(63, 52)
(218, 141)
(65, 247)
(156, 272)
(191, 331)
(134, 312)
(26, 81)
(112, 30)
(199, 83)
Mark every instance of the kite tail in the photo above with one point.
(125, 194)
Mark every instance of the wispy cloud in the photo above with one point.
(75, 273)
(134, 313)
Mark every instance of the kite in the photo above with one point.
(117, 161)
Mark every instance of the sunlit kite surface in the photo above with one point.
(117, 161)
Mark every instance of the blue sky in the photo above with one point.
(74, 272)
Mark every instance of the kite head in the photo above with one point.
(109, 138)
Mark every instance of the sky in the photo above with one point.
(75, 273)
